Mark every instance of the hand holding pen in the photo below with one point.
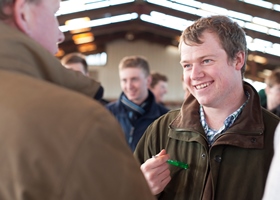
(156, 171)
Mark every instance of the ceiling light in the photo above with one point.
(214, 9)
(239, 15)
(256, 27)
(114, 2)
(260, 3)
(73, 6)
(98, 59)
(83, 38)
(272, 51)
(103, 21)
(166, 20)
(265, 22)
(191, 3)
(274, 32)
(78, 25)
(260, 60)
(261, 42)
(255, 47)
(88, 47)
(276, 7)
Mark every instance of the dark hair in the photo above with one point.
(231, 35)
(75, 58)
(156, 77)
(135, 62)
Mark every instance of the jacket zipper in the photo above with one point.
(131, 135)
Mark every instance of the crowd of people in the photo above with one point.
(59, 142)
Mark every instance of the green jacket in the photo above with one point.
(234, 167)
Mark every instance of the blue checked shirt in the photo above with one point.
(213, 134)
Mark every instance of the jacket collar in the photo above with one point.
(152, 110)
(249, 122)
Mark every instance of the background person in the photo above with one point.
(272, 92)
(159, 86)
(136, 108)
(50, 147)
(221, 131)
(271, 191)
(77, 62)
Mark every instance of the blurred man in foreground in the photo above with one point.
(51, 148)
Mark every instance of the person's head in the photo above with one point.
(213, 54)
(272, 89)
(35, 18)
(135, 78)
(159, 86)
(76, 62)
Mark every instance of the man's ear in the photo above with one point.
(22, 15)
(239, 60)
(149, 80)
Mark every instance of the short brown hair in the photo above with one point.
(135, 62)
(231, 35)
(156, 77)
(273, 78)
(75, 58)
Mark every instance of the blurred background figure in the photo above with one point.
(136, 107)
(272, 92)
(262, 96)
(271, 191)
(185, 88)
(159, 86)
(77, 62)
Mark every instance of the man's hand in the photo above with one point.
(156, 172)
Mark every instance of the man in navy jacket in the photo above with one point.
(136, 108)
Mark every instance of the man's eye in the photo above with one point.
(206, 61)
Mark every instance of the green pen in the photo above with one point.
(178, 164)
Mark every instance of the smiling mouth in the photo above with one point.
(202, 86)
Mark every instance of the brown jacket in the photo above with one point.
(234, 167)
(56, 144)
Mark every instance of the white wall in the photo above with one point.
(162, 59)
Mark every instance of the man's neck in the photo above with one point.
(215, 116)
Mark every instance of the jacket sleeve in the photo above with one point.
(74, 80)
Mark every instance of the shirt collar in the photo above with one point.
(213, 134)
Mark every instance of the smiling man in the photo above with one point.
(221, 131)
(136, 108)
